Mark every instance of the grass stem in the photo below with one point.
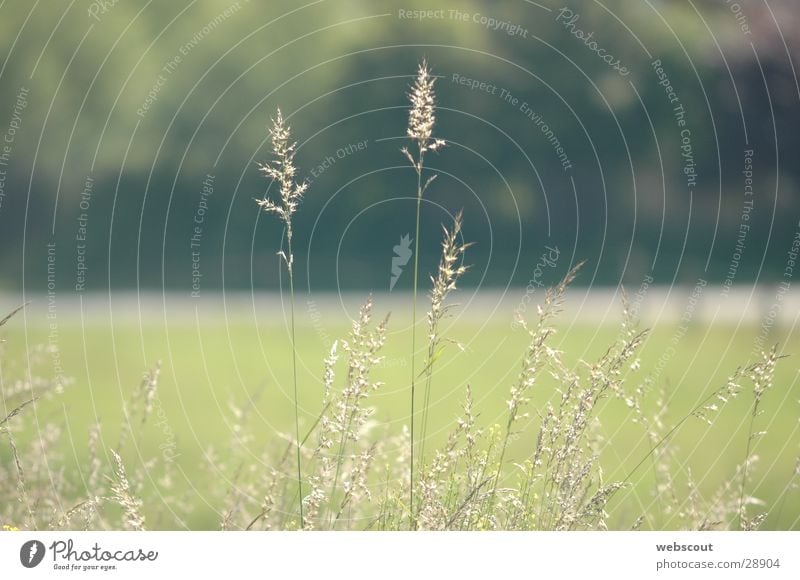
(414, 339)
(294, 384)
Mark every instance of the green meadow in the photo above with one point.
(225, 383)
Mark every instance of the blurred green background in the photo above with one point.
(340, 71)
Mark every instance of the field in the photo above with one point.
(224, 396)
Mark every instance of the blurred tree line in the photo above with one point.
(143, 123)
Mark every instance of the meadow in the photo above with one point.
(223, 402)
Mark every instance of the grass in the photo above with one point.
(281, 170)
(209, 368)
(421, 122)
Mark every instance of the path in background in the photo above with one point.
(776, 305)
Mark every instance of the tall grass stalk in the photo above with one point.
(761, 374)
(535, 358)
(450, 270)
(421, 120)
(282, 171)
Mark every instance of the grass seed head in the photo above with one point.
(422, 116)
(281, 170)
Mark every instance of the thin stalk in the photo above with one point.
(282, 171)
(294, 381)
(483, 477)
(657, 445)
(340, 456)
(746, 461)
(761, 374)
(425, 406)
(421, 120)
(500, 462)
(414, 337)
